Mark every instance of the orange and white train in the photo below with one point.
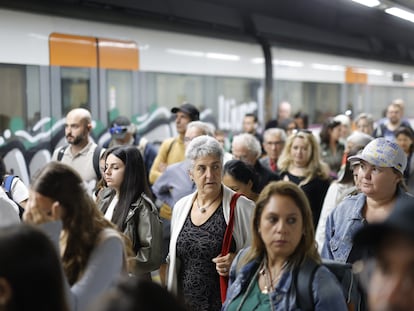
(50, 64)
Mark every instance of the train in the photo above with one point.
(51, 64)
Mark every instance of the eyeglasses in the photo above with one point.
(372, 169)
(118, 129)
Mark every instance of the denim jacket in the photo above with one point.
(342, 224)
(327, 292)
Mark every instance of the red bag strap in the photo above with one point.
(229, 230)
(226, 244)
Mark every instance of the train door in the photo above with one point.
(93, 73)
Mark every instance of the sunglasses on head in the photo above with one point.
(297, 131)
(118, 129)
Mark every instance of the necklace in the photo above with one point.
(267, 275)
(203, 209)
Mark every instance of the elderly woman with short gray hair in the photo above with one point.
(198, 225)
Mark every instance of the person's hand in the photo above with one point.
(223, 263)
(34, 214)
(162, 166)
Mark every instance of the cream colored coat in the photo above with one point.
(241, 230)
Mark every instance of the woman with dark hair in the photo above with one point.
(137, 294)
(128, 204)
(301, 119)
(405, 139)
(262, 277)
(332, 150)
(289, 126)
(240, 177)
(93, 253)
(30, 272)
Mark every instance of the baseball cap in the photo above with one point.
(120, 126)
(188, 109)
(382, 153)
(401, 219)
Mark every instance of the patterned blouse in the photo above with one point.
(196, 247)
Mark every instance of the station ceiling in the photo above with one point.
(341, 27)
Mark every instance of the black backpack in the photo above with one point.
(348, 280)
(96, 156)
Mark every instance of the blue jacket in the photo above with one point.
(342, 224)
(327, 293)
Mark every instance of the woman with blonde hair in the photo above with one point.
(263, 275)
(300, 163)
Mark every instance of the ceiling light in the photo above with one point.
(401, 13)
(374, 72)
(185, 52)
(223, 56)
(287, 63)
(328, 67)
(368, 3)
(257, 60)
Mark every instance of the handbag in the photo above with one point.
(228, 234)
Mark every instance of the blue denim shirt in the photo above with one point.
(327, 293)
(342, 224)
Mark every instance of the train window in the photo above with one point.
(33, 101)
(12, 90)
(119, 92)
(20, 97)
(173, 89)
(75, 84)
(242, 90)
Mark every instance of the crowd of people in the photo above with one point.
(223, 229)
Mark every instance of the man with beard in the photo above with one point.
(394, 119)
(172, 149)
(80, 153)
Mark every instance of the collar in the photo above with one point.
(83, 151)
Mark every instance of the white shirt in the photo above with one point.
(110, 211)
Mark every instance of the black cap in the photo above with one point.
(400, 220)
(121, 120)
(188, 109)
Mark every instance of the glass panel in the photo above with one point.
(322, 100)
(173, 90)
(382, 96)
(119, 85)
(75, 88)
(33, 96)
(291, 91)
(13, 97)
(226, 97)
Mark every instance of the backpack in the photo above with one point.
(7, 185)
(353, 294)
(96, 156)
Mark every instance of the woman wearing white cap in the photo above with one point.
(381, 182)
